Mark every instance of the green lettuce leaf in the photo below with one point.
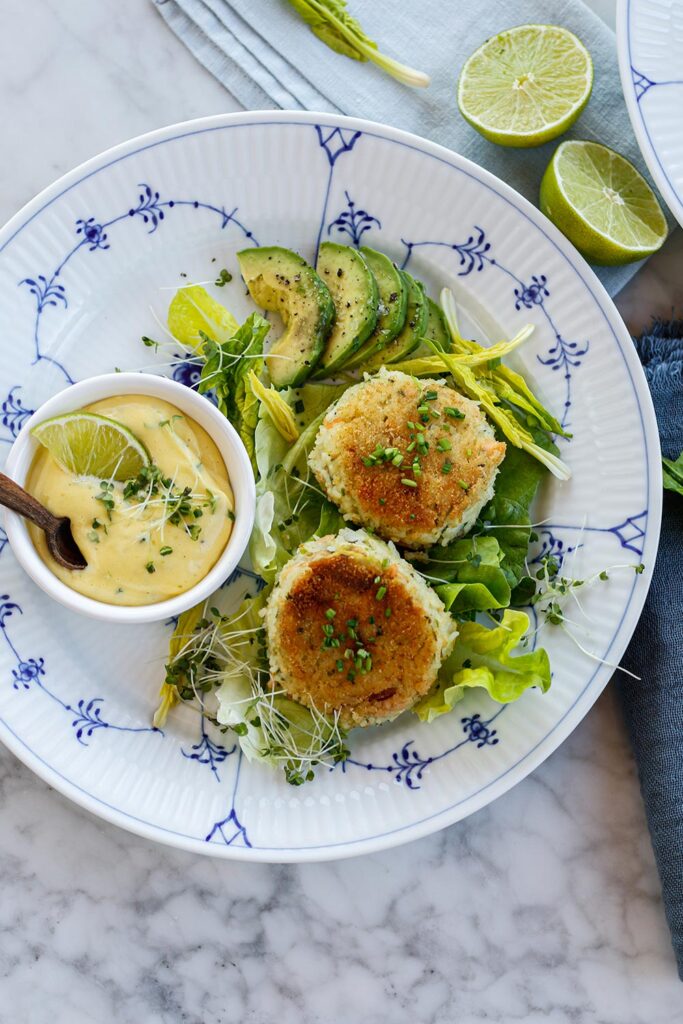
(484, 658)
(472, 575)
(673, 474)
(517, 484)
(225, 372)
(290, 507)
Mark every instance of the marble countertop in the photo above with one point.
(545, 906)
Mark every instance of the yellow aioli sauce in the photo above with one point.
(125, 564)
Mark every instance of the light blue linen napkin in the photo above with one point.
(266, 56)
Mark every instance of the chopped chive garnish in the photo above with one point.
(340, 665)
(408, 483)
(387, 613)
(382, 501)
(166, 550)
(443, 444)
(411, 446)
(447, 467)
(464, 485)
(430, 396)
(330, 613)
(150, 567)
(397, 459)
(231, 515)
(381, 593)
(455, 413)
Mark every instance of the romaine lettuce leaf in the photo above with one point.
(484, 658)
(225, 371)
(290, 507)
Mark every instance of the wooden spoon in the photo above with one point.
(60, 541)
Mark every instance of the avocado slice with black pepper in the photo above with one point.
(393, 306)
(413, 330)
(436, 331)
(283, 282)
(356, 300)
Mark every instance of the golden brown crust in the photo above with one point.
(450, 481)
(391, 626)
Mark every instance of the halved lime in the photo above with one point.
(90, 445)
(526, 85)
(193, 310)
(602, 204)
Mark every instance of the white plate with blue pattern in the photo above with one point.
(85, 270)
(650, 45)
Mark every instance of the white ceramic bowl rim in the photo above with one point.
(207, 416)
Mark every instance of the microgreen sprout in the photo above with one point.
(219, 648)
(555, 587)
(152, 491)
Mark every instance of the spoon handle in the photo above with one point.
(14, 497)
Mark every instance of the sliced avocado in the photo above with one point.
(414, 328)
(283, 282)
(436, 331)
(356, 301)
(393, 305)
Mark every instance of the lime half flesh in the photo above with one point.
(602, 203)
(90, 445)
(527, 85)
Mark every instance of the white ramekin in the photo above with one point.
(207, 416)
